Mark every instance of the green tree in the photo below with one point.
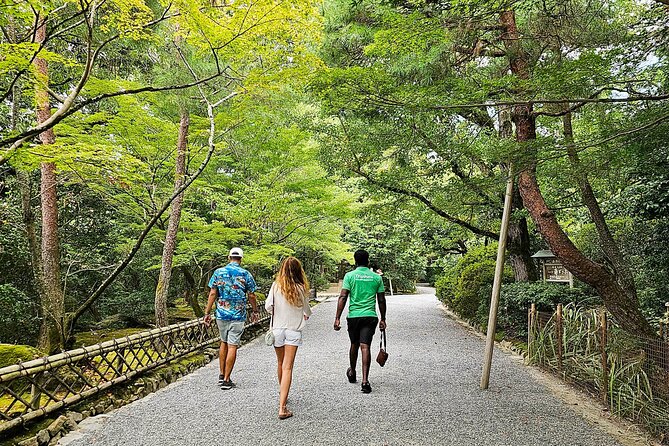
(238, 49)
(464, 64)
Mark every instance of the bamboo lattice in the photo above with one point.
(629, 372)
(33, 389)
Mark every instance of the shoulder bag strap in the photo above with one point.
(270, 294)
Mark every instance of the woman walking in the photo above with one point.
(288, 302)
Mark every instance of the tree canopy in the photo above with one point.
(145, 135)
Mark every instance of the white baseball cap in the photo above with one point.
(236, 252)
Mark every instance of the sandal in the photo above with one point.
(286, 414)
(350, 374)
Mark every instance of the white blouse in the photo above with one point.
(286, 315)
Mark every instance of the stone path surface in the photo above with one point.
(427, 394)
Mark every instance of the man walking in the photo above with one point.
(364, 288)
(229, 287)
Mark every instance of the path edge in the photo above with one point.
(583, 405)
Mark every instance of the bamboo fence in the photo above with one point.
(33, 389)
(629, 373)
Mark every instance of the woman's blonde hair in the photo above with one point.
(292, 281)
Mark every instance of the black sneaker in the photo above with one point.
(366, 388)
(350, 374)
(227, 385)
(221, 380)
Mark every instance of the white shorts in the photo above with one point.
(283, 336)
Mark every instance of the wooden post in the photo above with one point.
(531, 326)
(605, 363)
(529, 331)
(497, 283)
(558, 335)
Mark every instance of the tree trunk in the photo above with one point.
(617, 260)
(192, 292)
(173, 226)
(518, 247)
(53, 302)
(518, 242)
(25, 189)
(623, 307)
(30, 228)
(28, 215)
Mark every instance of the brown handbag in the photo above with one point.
(382, 357)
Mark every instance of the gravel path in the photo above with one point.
(427, 394)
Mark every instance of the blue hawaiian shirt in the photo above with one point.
(232, 282)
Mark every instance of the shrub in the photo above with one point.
(445, 288)
(516, 298)
(466, 286)
(469, 289)
(19, 317)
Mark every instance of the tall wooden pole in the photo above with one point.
(497, 284)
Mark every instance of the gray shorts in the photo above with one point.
(231, 331)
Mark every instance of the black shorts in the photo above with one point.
(361, 329)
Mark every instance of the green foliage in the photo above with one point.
(445, 288)
(473, 281)
(394, 242)
(644, 242)
(465, 287)
(516, 299)
(446, 285)
(134, 308)
(19, 319)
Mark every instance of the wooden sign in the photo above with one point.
(554, 271)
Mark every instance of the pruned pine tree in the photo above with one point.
(449, 70)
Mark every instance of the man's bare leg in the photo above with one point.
(222, 354)
(353, 356)
(230, 359)
(366, 361)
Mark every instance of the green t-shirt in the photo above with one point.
(363, 285)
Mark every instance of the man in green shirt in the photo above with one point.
(364, 288)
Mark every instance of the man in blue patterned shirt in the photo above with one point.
(229, 288)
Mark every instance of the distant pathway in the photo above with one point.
(427, 394)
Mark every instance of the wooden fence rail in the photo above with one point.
(33, 389)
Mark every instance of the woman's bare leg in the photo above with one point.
(286, 376)
(279, 361)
